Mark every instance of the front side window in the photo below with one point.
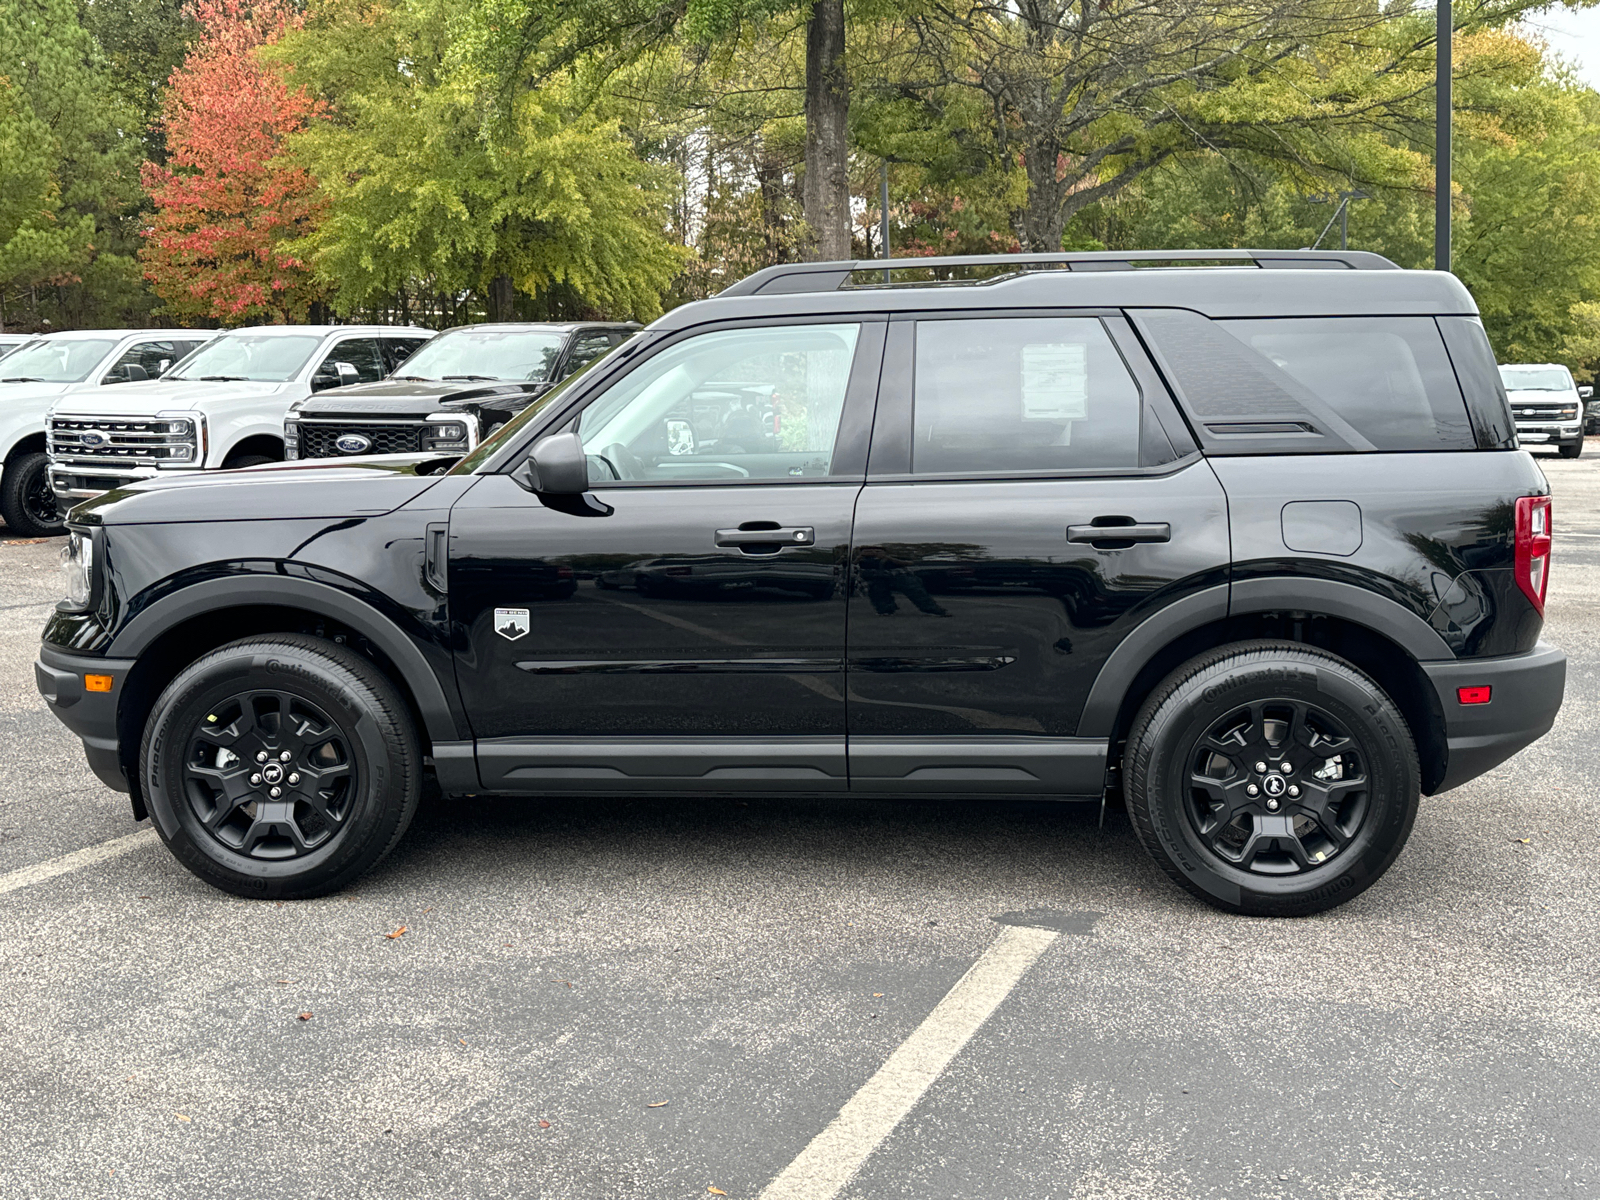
(263, 358)
(586, 347)
(486, 354)
(66, 361)
(146, 360)
(1000, 394)
(725, 406)
(361, 354)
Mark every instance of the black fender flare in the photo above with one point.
(1357, 605)
(213, 595)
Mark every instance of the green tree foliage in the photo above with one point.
(557, 205)
(68, 172)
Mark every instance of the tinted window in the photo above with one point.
(147, 360)
(397, 350)
(724, 406)
(586, 347)
(1021, 394)
(360, 353)
(1312, 384)
(1473, 358)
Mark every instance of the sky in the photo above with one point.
(1575, 36)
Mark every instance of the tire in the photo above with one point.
(221, 825)
(247, 460)
(27, 501)
(1191, 756)
(1572, 451)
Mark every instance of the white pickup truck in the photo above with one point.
(221, 407)
(37, 374)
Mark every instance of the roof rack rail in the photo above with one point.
(831, 276)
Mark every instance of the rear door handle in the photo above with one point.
(777, 535)
(1138, 531)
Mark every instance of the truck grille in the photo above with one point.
(317, 439)
(1545, 412)
(116, 440)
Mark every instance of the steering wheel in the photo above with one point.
(623, 461)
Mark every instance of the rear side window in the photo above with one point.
(1021, 394)
(1314, 384)
(1473, 359)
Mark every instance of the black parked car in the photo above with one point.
(1249, 546)
(456, 389)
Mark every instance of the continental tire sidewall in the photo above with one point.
(1167, 743)
(385, 795)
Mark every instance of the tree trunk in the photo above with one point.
(1041, 224)
(501, 298)
(827, 181)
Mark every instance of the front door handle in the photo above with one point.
(1114, 537)
(770, 538)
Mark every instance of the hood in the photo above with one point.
(161, 395)
(1541, 396)
(321, 489)
(397, 397)
(14, 393)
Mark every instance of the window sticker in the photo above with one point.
(1055, 381)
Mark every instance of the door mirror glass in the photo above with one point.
(1586, 392)
(347, 373)
(680, 436)
(557, 466)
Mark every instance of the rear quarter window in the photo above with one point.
(1312, 384)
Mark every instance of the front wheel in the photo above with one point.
(1271, 778)
(280, 766)
(27, 501)
(1573, 450)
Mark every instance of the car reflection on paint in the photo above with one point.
(720, 576)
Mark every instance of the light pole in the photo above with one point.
(1443, 28)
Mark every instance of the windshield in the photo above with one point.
(262, 358)
(65, 361)
(485, 354)
(1535, 379)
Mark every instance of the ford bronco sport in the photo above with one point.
(1240, 538)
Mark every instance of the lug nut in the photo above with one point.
(285, 756)
(275, 792)
(294, 777)
(1285, 768)
(1271, 803)
(261, 756)
(1261, 768)
(255, 779)
(1294, 792)
(1252, 790)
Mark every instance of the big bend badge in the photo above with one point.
(511, 623)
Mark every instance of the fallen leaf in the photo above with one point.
(396, 933)
(716, 1191)
(543, 1124)
(305, 1016)
(877, 995)
(427, 910)
(463, 1041)
(1523, 841)
(507, 945)
(656, 1104)
(563, 981)
(180, 1116)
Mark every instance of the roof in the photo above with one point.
(68, 335)
(1297, 284)
(544, 326)
(323, 330)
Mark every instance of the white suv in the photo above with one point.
(1545, 405)
(35, 375)
(221, 407)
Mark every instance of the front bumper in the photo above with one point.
(1547, 433)
(90, 715)
(1524, 697)
(74, 482)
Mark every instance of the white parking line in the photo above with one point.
(836, 1154)
(87, 857)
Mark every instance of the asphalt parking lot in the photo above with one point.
(648, 1001)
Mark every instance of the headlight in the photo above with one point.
(447, 432)
(77, 571)
(184, 439)
(291, 440)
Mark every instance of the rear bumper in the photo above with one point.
(90, 715)
(1525, 695)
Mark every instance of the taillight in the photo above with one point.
(1533, 548)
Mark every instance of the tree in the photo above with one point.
(414, 196)
(226, 209)
(66, 170)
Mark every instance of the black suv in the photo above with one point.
(1242, 539)
(455, 390)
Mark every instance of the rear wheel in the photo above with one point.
(280, 766)
(1271, 778)
(27, 501)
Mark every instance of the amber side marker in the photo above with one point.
(97, 683)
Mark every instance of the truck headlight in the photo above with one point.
(446, 432)
(77, 571)
(291, 440)
(184, 439)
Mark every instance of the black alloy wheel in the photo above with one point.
(1271, 778)
(280, 766)
(27, 501)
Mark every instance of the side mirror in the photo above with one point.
(127, 373)
(347, 374)
(557, 466)
(1586, 392)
